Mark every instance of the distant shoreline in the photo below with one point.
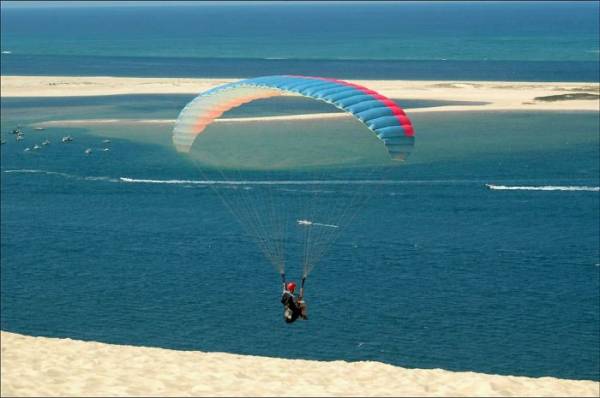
(494, 96)
(66, 367)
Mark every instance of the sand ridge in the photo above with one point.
(40, 366)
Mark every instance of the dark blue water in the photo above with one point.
(550, 41)
(61, 65)
(436, 271)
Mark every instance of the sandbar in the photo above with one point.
(493, 94)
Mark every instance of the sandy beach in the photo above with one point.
(37, 366)
(554, 96)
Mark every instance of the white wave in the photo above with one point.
(24, 171)
(35, 171)
(305, 190)
(186, 182)
(219, 182)
(66, 175)
(278, 182)
(248, 183)
(101, 178)
(543, 188)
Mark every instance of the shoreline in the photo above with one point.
(44, 366)
(279, 118)
(496, 95)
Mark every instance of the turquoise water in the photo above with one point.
(551, 41)
(436, 270)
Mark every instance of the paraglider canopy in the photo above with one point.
(304, 207)
(380, 114)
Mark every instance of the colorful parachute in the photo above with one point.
(380, 114)
(295, 213)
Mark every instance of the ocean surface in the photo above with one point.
(436, 269)
(550, 41)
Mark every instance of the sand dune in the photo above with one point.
(36, 366)
(496, 95)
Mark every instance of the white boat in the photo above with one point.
(36, 146)
(308, 222)
(26, 149)
(106, 141)
(19, 137)
(46, 142)
(106, 149)
(88, 151)
(68, 138)
(39, 128)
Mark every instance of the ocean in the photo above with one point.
(529, 41)
(435, 270)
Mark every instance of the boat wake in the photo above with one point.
(542, 188)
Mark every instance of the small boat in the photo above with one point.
(2, 142)
(6, 52)
(36, 146)
(46, 142)
(39, 128)
(26, 149)
(19, 137)
(106, 141)
(88, 151)
(67, 138)
(105, 149)
(17, 131)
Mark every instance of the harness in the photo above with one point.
(289, 314)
